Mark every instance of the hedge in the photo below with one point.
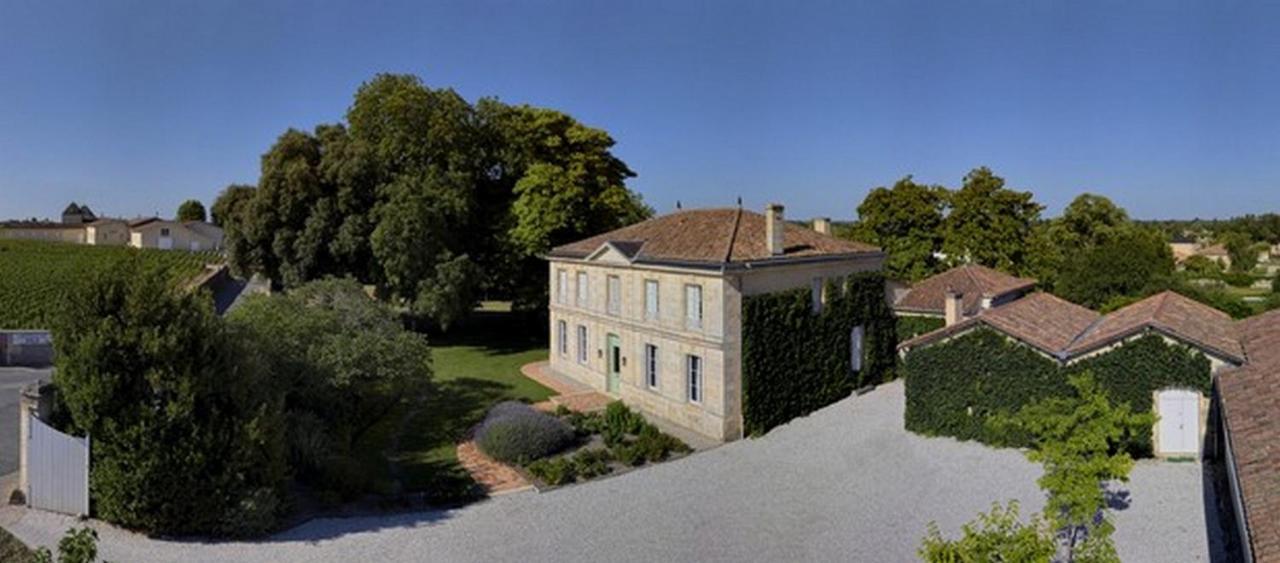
(795, 361)
(910, 326)
(953, 387)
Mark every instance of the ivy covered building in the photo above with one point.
(1160, 354)
(723, 321)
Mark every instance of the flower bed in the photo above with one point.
(615, 440)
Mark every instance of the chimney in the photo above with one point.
(773, 227)
(822, 225)
(953, 308)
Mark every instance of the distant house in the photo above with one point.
(976, 287)
(652, 313)
(1218, 253)
(79, 225)
(1183, 247)
(164, 234)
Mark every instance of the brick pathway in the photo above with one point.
(498, 478)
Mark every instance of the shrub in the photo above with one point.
(619, 421)
(628, 454)
(1238, 279)
(255, 515)
(517, 433)
(343, 475)
(182, 419)
(588, 464)
(655, 446)
(76, 546)
(556, 471)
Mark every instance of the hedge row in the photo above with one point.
(953, 387)
(912, 326)
(795, 361)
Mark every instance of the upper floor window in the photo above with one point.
(562, 286)
(693, 373)
(562, 337)
(650, 299)
(693, 306)
(583, 291)
(614, 294)
(651, 366)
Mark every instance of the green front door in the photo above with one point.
(614, 378)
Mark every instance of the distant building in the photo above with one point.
(79, 225)
(961, 292)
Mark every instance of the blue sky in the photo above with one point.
(1169, 108)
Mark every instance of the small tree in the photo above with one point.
(77, 546)
(1080, 442)
(191, 210)
(184, 431)
(998, 535)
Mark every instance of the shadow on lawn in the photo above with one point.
(450, 410)
(498, 332)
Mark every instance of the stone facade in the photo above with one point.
(716, 341)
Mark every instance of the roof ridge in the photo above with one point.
(1164, 298)
(733, 236)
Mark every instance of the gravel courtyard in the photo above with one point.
(845, 484)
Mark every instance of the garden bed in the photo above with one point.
(611, 442)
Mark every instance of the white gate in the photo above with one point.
(57, 470)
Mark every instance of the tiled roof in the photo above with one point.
(26, 224)
(712, 237)
(973, 281)
(1250, 396)
(1168, 312)
(1065, 330)
(1215, 250)
(144, 221)
(1041, 320)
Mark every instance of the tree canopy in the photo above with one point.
(906, 221)
(433, 200)
(1132, 262)
(990, 224)
(191, 210)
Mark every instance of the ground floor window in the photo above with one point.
(582, 344)
(693, 368)
(562, 337)
(651, 366)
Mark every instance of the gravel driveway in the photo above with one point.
(845, 484)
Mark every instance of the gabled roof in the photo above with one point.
(141, 222)
(1042, 320)
(1249, 399)
(71, 209)
(1065, 330)
(712, 237)
(973, 281)
(1172, 314)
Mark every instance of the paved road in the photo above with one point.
(846, 484)
(12, 380)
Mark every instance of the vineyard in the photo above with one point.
(35, 276)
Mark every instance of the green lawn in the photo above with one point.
(476, 366)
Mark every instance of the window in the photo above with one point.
(693, 306)
(562, 336)
(582, 344)
(816, 294)
(651, 366)
(614, 291)
(562, 286)
(651, 300)
(693, 372)
(164, 232)
(582, 290)
(855, 348)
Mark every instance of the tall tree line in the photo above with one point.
(431, 199)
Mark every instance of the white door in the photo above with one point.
(195, 246)
(1179, 422)
(166, 243)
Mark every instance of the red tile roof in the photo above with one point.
(1042, 320)
(712, 237)
(1172, 314)
(973, 281)
(1250, 399)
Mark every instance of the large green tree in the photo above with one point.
(1134, 262)
(906, 221)
(989, 224)
(431, 199)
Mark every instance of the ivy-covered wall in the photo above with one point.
(953, 387)
(911, 326)
(795, 361)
